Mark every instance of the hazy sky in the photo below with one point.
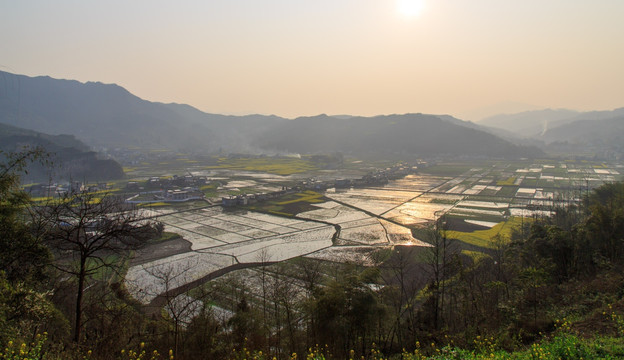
(305, 57)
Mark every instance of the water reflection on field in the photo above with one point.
(354, 223)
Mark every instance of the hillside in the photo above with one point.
(69, 157)
(528, 123)
(535, 124)
(106, 115)
(601, 137)
(588, 131)
(388, 135)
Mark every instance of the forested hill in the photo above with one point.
(603, 131)
(389, 135)
(69, 157)
(110, 116)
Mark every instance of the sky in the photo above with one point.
(467, 58)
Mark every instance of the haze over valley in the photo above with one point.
(328, 180)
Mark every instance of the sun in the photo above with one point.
(410, 8)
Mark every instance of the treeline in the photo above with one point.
(66, 280)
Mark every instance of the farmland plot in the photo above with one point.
(469, 212)
(476, 189)
(375, 201)
(526, 192)
(457, 189)
(483, 204)
(480, 197)
(488, 224)
(370, 234)
(358, 227)
(145, 282)
(229, 239)
(334, 213)
(399, 235)
(197, 239)
(418, 211)
(277, 248)
(522, 212)
(415, 183)
(362, 255)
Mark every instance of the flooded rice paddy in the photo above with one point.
(353, 223)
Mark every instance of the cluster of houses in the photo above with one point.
(173, 189)
(158, 183)
(56, 190)
(168, 195)
(249, 199)
(376, 178)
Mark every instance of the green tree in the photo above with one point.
(347, 311)
(24, 302)
(605, 225)
(23, 256)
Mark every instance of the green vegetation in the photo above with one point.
(474, 255)
(152, 205)
(210, 190)
(447, 169)
(165, 236)
(240, 191)
(306, 196)
(291, 204)
(483, 238)
(509, 181)
(279, 166)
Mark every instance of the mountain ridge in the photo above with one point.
(107, 115)
(69, 158)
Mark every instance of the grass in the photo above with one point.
(165, 236)
(41, 199)
(306, 196)
(106, 273)
(529, 182)
(150, 205)
(562, 346)
(447, 169)
(509, 181)
(210, 190)
(278, 166)
(443, 201)
(483, 238)
(240, 191)
(291, 204)
(476, 256)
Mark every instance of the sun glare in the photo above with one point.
(410, 8)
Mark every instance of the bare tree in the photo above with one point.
(89, 232)
(264, 259)
(181, 307)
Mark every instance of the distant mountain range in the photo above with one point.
(606, 132)
(528, 123)
(549, 124)
(394, 135)
(597, 132)
(109, 116)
